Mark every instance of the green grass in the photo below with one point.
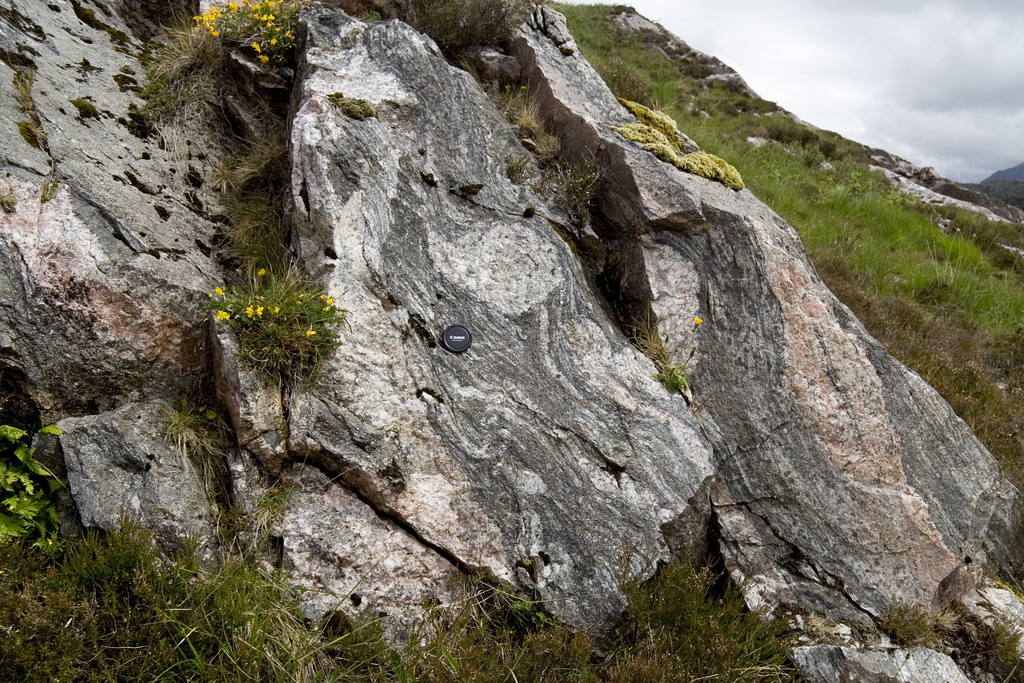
(935, 285)
(113, 608)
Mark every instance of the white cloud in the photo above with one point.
(940, 83)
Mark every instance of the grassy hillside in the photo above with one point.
(937, 286)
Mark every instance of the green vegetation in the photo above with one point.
(989, 644)
(938, 286)
(284, 325)
(86, 109)
(353, 107)
(1009, 190)
(31, 130)
(654, 345)
(112, 608)
(8, 202)
(265, 28)
(25, 488)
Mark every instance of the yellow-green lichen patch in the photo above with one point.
(658, 120)
(353, 107)
(712, 167)
(643, 134)
(663, 152)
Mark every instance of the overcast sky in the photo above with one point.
(939, 83)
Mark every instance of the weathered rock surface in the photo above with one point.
(545, 456)
(102, 272)
(846, 482)
(830, 664)
(119, 465)
(545, 453)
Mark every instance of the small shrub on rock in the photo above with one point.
(285, 326)
(457, 24)
(266, 27)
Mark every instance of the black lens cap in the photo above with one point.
(456, 338)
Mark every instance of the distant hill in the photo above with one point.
(1006, 188)
(1015, 173)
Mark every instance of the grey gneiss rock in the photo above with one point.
(845, 482)
(545, 454)
(120, 466)
(103, 271)
(830, 664)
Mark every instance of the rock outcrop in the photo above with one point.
(844, 481)
(546, 457)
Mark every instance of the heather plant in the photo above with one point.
(458, 24)
(285, 326)
(25, 487)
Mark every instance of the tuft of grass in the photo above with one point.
(199, 434)
(32, 129)
(112, 609)
(654, 345)
(8, 202)
(910, 626)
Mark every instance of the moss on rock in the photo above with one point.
(86, 109)
(657, 133)
(353, 107)
(643, 134)
(710, 166)
(658, 120)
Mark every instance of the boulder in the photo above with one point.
(119, 465)
(106, 257)
(845, 482)
(545, 456)
(831, 664)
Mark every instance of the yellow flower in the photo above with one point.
(234, 7)
(261, 272)
(248, 311)
(256, 46)
(310, 333)
(275, 310)
(218, 290)
(264, 59)
(215, 33)
(273, 41)
(271, 4)
(697, 321)
(259, 310)
(223, 315)
(327, 308)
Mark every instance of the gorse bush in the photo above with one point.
(266, 27)
(285, 326)
(25, 487)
